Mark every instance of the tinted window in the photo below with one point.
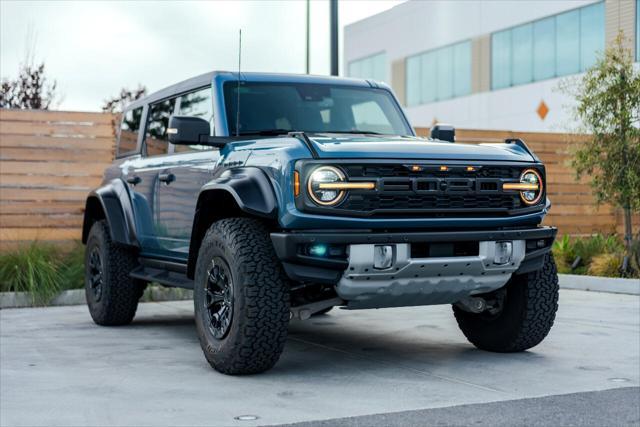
(568, 43)
(461, 69)
(591, 34)
(439, 74)
(428, 77)
(562, 44)
(371, 67)
(196, 104)
(129, 129)
(312, 108)
(522, 42)
(544, 49)
(445, 73)
(501, 59)
(156, 140)
(413, 80)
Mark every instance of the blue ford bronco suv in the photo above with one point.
(279, 196)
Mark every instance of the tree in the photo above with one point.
(31, 90)
(116, 104)
(608, 108)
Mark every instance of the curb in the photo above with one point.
(77, 297)
(611, 285)
(160, 293)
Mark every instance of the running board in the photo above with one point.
(163, 272)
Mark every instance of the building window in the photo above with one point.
(556, 46)
(372, 67)
(439, 74)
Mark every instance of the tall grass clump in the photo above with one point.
(72, 268)
(33, 268)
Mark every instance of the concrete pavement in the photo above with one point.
(58, 368)
(615, 407)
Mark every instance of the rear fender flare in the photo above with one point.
(111, 202)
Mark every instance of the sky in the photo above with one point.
(93, 49)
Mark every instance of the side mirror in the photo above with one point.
(185, 130)
(443, 132)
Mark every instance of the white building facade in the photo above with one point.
(487, 64)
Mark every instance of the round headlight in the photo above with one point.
(325, 175)
(532, 177)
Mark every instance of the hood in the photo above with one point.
(391, 147)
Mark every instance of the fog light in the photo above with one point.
(382, 257)
(318, 250)
(503, 252)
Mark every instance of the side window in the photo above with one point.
(129, 128)
(156, 141)
(196, 104)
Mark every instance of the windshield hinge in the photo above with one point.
(305, 139)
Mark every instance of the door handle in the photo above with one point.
(134, 180)
(167, 178)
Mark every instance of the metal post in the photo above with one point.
(334, 36)
(308, 67)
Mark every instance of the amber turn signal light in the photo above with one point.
(296, 184)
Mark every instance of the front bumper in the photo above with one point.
(411, 281)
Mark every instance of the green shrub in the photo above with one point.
(34, 269)
(72, 268)
(564, 253)
(597, 244)
(566, 250)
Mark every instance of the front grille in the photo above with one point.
(430, 192)
(373, 202)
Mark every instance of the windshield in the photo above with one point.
(315, 108)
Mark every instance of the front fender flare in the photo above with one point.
(248, 187)
(113, 203)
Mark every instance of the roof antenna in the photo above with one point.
(238, 90)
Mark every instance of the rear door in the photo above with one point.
(184, 172)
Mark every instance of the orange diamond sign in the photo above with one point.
(542, 110)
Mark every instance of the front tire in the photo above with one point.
(528, 311)
(112, 296)
(241, 298)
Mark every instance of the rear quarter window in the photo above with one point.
(129, 130)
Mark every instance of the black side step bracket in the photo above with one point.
(163, 272)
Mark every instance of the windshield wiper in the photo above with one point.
(267, 132)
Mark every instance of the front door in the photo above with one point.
(184, 172)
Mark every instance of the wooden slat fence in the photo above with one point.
(49, 161)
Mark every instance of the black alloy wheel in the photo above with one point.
(96, 273)
(218, 298)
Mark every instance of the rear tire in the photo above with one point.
(241, 298)
(112, 296)
(527, 315)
